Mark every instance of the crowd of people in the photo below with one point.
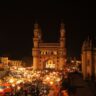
(24, 82)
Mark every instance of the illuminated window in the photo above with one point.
(55, 52)
(41, 52)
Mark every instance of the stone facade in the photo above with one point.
(89, 59)
(48, 55)
(17, 63)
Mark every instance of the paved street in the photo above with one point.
(82, 88)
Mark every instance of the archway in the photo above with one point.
(49, 64)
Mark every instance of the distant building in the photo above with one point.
(89, 59)
(48, 55)
(4, 61)
(15, 63)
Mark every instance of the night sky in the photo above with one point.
(17, 20)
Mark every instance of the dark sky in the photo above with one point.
(17, 19)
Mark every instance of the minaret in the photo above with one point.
(35, 50)
(62, 36)
(62, 47)
(87, 65)
(36, 35)
(40, 35)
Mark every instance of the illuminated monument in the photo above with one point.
(48, 55)
(89, 59)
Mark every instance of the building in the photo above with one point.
(17, 63)
(48, 55)
(4, 61)
(89, 59)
